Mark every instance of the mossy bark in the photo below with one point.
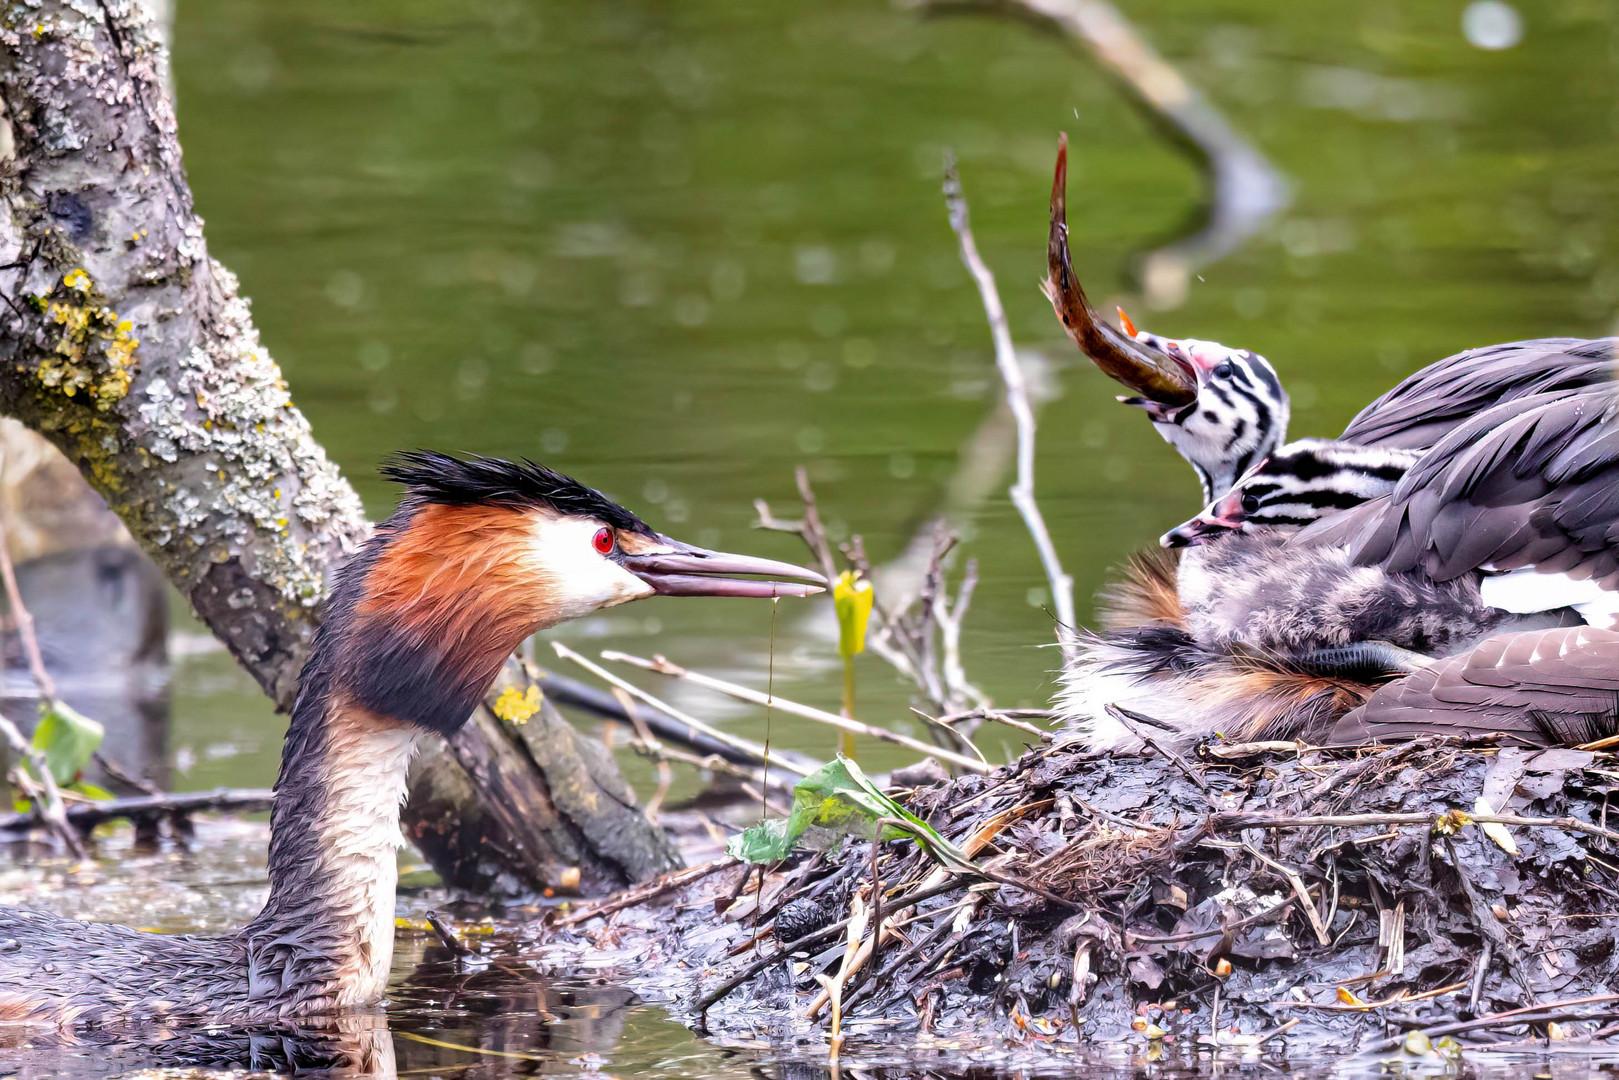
(133, 351)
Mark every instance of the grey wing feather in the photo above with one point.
(1541, 687)
(1530, 482)
(1424, 408)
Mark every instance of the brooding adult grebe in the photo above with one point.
(480, 554)
(1454, 536)
(1340, 592)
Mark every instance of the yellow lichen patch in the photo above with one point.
(91, 350)
(516, 706)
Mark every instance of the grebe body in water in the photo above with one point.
(480, 554)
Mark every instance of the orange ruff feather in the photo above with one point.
(1147, 593)
(460, 575)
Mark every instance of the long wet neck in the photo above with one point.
(325, 937)
(418, 626)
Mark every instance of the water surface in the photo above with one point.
(678, 249)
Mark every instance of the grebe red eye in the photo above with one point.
(603, 540)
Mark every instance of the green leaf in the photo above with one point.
(835, 801)
(765, 842)
(67, 739)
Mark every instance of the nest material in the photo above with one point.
(1315, 893)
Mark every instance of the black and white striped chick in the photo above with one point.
(1239, 417)
(1241, 411)
(1298, 485)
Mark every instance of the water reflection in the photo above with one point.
(496, 1019)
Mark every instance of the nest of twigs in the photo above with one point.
(1226, 899)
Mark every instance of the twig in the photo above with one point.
(711, 763)
(1017, 399)
(664, 667)
(1491, 927)
(949, 732)
(123, 776)
(40, 788)
(1232, 751)
(447, 936)
(819, 937)
(665, 774)
(1526, 1014)
(41, 778)
(651, 890)
(1299, 891)
(1012, 718)
(25, 624)
(950, 616)
(1176, 939)
(1129, 718)
(809, 528)
(752, 749)
(572, 693)
(90, 814)
(1480, 970)
(1240, 820)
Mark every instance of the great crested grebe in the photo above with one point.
(1464, 574)
(480, 554)
(1470, 511)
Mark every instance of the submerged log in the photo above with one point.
(133, 351)
(1469, 893)
(478, 808)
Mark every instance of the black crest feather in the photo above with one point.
(431, 476)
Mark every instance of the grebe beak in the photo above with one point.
(684, 570)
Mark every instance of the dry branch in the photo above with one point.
(820, 716)
(746, 746)
(1017, 399)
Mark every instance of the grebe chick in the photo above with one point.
(480, 554)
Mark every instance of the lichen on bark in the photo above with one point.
(133, 350)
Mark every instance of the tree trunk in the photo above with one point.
(133, 351)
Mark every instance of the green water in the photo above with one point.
(678, 249)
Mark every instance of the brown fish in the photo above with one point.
(1148, 371)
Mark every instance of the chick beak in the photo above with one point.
(1200, 530)
(1158, 412)
(683, 570)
